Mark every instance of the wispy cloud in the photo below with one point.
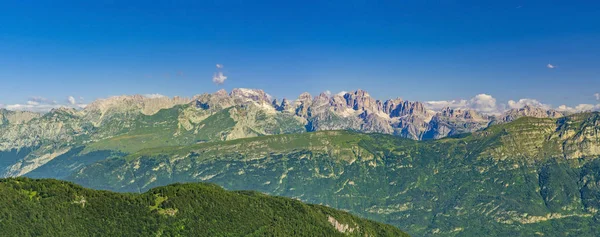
(487, 104)
(529, 102)
(71, 100)
(482, 103)
(154, 96)
(41, 100)
(42, 105)
(597, 95)
(341, 93)
(219, 78)
(550, 66)
(579, 108)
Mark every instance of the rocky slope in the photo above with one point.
(56, 208)
(529, 177)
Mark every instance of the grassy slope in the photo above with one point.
(57, 208)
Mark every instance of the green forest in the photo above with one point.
(48, 207)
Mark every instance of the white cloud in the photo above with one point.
(153, 96)
(30, 102)
(341, 93)
(41, 100)
(219, 78)
(597, 95)
(487, 104)
(550, 66)
(523, 102)
(482, 103)
(440, 104)
(42, 105)
(40, 108)
(579, 108)
(327, 93)
(71, 100)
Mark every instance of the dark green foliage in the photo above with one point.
(56, 208)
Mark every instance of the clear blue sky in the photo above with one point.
(418, 50)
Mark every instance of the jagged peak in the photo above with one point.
(361, 92)
(323, 95)
(60, 112)
(463, 113)
(255, 95)
(305, 96)
(246, 91)
(63, 109)
(221, 92)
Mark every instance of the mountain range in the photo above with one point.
(38, 138)
(452, 172)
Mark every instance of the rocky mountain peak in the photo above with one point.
(321, 99)
(221, 92)
(64, 110)
(360, 100)
(254, 95)
(460, 113)
(302, 104)
(305, 97)
(407, 108)
(390, 105)
(323, 95)
(284, 106)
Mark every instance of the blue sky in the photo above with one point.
(417, 50)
